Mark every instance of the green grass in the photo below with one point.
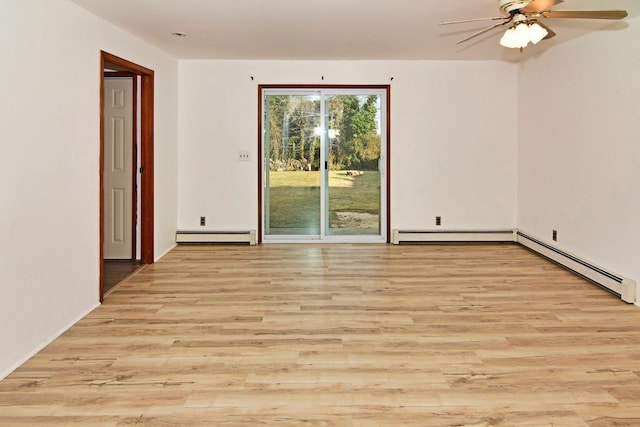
(295, 196)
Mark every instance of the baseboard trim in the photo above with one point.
(39, 348)
(166, 252)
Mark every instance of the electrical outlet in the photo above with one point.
(203, 221)
(554, 236)
(438, 220)
(243, 156)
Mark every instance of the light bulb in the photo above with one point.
(537, 32)
(509, 39)
(522, 35)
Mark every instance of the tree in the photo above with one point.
(358, 143)
(275, 108)
(354, 142)
(290, 130)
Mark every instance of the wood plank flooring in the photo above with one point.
(345, 335)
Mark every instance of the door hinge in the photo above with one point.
(141, 169)
(326, 165)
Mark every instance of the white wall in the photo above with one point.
(49, 165)
(453, 138)
(579, 163)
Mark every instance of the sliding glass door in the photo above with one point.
(323, 155)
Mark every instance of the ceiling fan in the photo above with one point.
(524, 15)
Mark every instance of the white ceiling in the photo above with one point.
(336, 29)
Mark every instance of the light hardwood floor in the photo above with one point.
(348, 335)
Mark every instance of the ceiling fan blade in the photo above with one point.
(474, 20)
(585, 14)
(537, 6)
(485, 30)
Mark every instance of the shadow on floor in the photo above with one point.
(115, 271)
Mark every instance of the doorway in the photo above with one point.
(324, 173)
(141, 166)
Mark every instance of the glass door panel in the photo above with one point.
(291, 143)
(353, 135)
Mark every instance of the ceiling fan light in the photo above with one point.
(509, 39)
(537, 32)
(522, 35)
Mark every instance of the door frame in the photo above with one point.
(386, 88)
(146, 75)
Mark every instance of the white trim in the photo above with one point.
(35, 351)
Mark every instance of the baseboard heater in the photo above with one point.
(623, 287)
(208, 236)
(451, 236)
(620, 286)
